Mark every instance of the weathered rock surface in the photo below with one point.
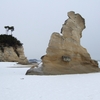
(65, 55)
(11, 54)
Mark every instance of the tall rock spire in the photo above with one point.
(64, 54)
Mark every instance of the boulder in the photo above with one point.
(64, 54)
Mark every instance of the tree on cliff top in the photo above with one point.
(9, 40)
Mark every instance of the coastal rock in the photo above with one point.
(64, 54)
(11, 54)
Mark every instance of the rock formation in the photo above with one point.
(11, 50)
(12, 55)
(64, 54)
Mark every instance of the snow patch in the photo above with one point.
(15, 85)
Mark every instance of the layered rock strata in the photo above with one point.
(64, 54)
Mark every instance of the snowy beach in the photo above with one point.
(15, 85)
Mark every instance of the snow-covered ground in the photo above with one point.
(15, 85)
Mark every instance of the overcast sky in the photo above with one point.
(36, 20)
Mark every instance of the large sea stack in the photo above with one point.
(11, 50)
(64, 54)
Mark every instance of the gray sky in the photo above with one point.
(36, 20)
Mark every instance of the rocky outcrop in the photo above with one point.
(12, 54)
(65, 55)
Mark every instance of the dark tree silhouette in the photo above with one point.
(9, 28)
(9, 40)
